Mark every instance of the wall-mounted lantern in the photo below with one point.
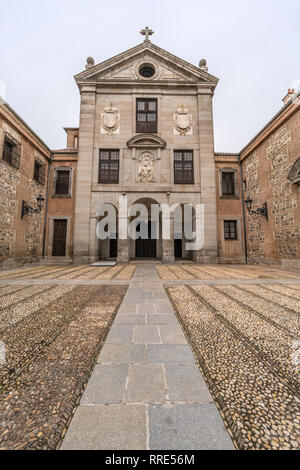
(263, 210)
(26, 209)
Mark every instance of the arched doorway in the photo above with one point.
(148, 242)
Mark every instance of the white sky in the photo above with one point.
(251, 45)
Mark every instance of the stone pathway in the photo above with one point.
(146, 391)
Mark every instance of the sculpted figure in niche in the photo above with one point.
(146, 168)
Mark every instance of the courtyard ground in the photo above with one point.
(198, 357)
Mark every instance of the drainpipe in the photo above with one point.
(244, 213)
(46, 206)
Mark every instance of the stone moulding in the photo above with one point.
(294, 174)
(146, 141)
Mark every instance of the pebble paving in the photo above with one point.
(253, 385)
(50, 355)
(146, 391)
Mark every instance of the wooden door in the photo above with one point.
(146, 248)
(59, 238)
(178, 248)
(113, 248)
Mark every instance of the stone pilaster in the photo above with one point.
(123, 243)
(84, 176)
(209, 253)
(94, 248)
(168, 256)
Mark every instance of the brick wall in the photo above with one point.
(20, 240)
(266, 170)
(62, 207)
(229, 208)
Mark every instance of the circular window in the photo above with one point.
(147, 71)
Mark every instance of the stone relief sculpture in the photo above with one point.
(110, 120)
(183, 121)
(146, 168)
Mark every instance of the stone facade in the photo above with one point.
(21, 241)
(109, 93)
(62, 206)
(229, 208)
(267, 171)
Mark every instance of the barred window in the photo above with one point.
(12, 151)
(230, 230)
(109, 166)
(183, 167)
(62, 184)
(228, 183)
(146, 115)
(39, 172)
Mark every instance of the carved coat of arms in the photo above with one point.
(146, 168)
(183, 121)
(110, 120)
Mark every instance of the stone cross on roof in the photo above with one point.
(147, 32)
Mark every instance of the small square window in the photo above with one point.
(230, 230)
(12, 152)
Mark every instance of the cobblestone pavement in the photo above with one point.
(148, 389)
(245, 346)
(52, 338)
(69, 273)
(193, 272)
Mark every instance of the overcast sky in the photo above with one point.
(251, 45)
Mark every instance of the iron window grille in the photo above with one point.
(62, 184)
(12, 151)
(39, 172)
(228, 184)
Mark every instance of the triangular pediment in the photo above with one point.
(125, 67)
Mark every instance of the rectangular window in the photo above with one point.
(12, 151)
(39, 172)
(228, 184)
(109, 166)
(62, 184)
(146, 115)
(230, 230)
(183, 167)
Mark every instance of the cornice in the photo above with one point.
(285, 113)
(21, 126)
(176, 62)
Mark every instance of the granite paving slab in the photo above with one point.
(146, 391)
